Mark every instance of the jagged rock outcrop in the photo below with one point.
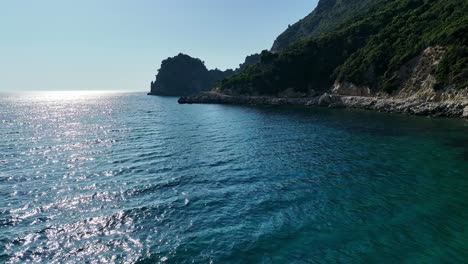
(184, 75)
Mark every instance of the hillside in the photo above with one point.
(383, 49)
(326, 17)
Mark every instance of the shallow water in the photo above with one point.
(105, 177)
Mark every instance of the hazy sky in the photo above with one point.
(119, 44)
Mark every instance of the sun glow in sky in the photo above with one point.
(119, 44)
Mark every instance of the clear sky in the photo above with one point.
(119, 44)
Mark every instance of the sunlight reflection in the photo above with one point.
(58, 96)
(72, 95)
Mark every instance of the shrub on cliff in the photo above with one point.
(366, 50)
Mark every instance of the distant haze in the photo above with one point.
(119, 45)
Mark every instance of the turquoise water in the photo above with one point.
(107, 177)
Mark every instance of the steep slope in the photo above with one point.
(377, 50)
(326, 17)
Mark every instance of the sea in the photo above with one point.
(113, 177)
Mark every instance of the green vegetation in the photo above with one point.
(368, 49)
(328, 15)
(453, 69)
(184, 75)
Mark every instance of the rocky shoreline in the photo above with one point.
(390, 105)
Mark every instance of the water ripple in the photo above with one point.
(129, 178)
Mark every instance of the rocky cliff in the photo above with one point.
(408, 56)
(326, 17)
(184, 75)
(418, 93)
(373, 52)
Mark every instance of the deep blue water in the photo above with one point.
(132, 178)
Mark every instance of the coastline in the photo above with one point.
(389, 105)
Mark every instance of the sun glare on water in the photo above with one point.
(72, 95)
(61, 96)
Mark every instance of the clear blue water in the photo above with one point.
(133, 178)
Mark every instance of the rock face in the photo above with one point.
(346, 88)
(184, 75)
(416, 77)
(326, 17)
